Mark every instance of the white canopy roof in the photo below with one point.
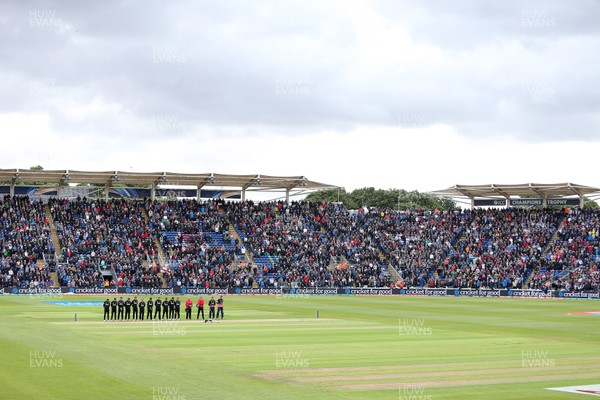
(244, 182)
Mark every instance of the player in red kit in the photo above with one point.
(188, 308)
(200, 306)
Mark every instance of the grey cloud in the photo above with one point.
(505, 68)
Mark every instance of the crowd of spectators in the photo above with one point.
(25, 236)
(571, 261)
(198, 243)
(305, 241)
(297, 244)
(470, 249)
(112, 234)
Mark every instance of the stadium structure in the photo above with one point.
(521, 195)
(207, 185)
(53, 236)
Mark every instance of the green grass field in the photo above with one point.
(270, 347)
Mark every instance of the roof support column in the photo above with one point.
(12, 190)
(153, 192)
(198, 193)
(287, 196)
(243, 194)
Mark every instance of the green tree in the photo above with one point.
(389, 199)
(589, 203)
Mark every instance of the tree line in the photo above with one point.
(396, 199)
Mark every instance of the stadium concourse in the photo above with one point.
(219, 244)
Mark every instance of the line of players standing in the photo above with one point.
(121, 310)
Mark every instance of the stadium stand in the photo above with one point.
(24, 238)
(275, 244)
(94, 234)
(471, 249)
(196, 238)
(294, 245)
(571, 262)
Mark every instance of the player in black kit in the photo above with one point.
(106, 309)
(150, 305)
(134, 308)
(158, 310)
(211, 307)
(113, 309)
(142, 306)
(120, 305)
(177, 309)
(127, 309)
(165, 309)
(220, 307)
(171, 308)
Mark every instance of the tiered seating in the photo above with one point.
(94, 233)
(571, 262)
(299, 245)
(480, 248)
(292, 244)
(196, 238)
(170, 235)
(24, 238)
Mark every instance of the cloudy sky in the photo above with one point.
(392, 94)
